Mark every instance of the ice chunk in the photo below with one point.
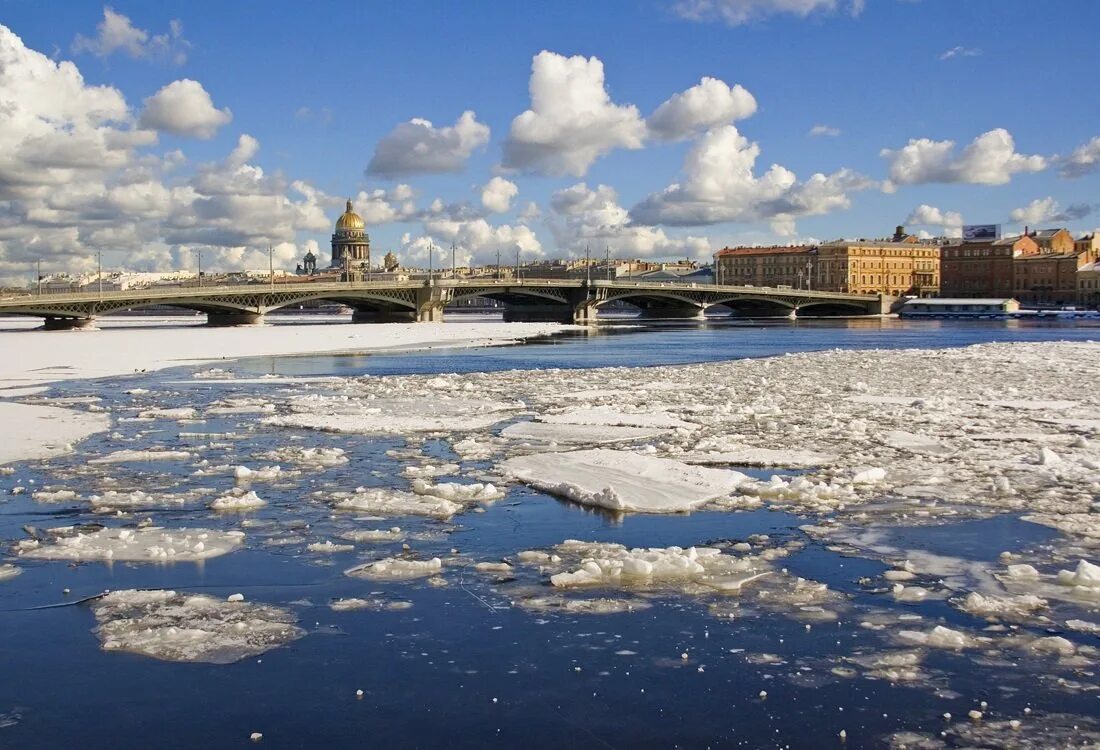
(937, 637)
(56, 496)
(611, 417)
(576, 434)
(744, 456)
(400, 416)
(131, 456)
(307, 458)
(386, 502)
(7, 571)
(182, 412)
(1001, 606)
(600, 606)
(462, 493)
(394, 534)
(378, 605)
(430, 470)
(190, 627)
(620, 480)
(329, 547)
(151, 544)
(396, 569)
(237, 501)
(915, 443)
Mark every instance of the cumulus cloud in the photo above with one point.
(1042, 210)
(476, 242)
(583, 216)
(818, 130)
(739, 12)
(719, 186)
(960, 51)
(924, 215)
(386, 206)
(184, 108)
(1083, 160)
(708, 103)
(572, 120)
(116, 33)
(77, 176)
(418, 147)
(990, 159)
(498, 193)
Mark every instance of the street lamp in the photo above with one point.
(38, 264)
(431, 253)
(270, 267)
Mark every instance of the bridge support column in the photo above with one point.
(236, 318)
(67, 324)
(793, 314)
(430, 301)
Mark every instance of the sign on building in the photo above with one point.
(981, 231)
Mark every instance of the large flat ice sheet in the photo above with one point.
(621, 480)
(33, 432)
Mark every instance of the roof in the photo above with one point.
(879, 243)
(958, 301)
(774, 250)
(1047, 256)
(1090, 267)
(1045, 233)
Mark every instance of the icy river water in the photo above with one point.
(485, 651)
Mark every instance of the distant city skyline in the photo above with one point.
(665, 129)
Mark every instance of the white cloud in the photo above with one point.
(77, 176)
(418, 147)
(719, 186)
(593, 217)
(990, 159)
(116, 33)
(818, 130)
(1042, 210)
(476, 241)
(386, 206)
(184, 108)
(1083, 160)
(960, 51)
(924, 215)
(710, 102)
(572, 120)
(739, 12)
(498, 193)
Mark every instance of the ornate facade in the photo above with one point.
(350, 242)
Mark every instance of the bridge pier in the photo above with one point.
(67, 324)
(237, 318)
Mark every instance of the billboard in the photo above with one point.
(981, 231)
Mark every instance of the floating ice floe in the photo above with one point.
(238, 500)
(1031, 404)
(133, 456)
(623, 481)
(610, 417)
(54, 496)
(178, 413)
(394, 534)
(7, 571)
(430, 470)
(455, 492)
(396, 569)
(387, 502)
(352, 604)
(575, 434)
(190, 627)
(596, 606)
(389, 416)
(121, 500)
(307, 458)
(152, 544)
(746, 456)
(262, 474)
(937, 637)
(329, 547)
(913, 443)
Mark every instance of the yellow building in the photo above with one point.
(899, 266)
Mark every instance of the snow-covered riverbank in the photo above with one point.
(126, 346)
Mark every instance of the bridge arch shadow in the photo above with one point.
(752, 307)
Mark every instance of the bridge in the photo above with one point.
(556, 300)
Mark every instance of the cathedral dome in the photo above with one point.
(349, 220)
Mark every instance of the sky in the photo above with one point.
(153, 133)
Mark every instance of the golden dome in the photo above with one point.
(350, 220)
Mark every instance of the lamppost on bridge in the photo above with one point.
(607, 253)
(498, 264)
(431, 253)
(587, 267)
(454, 270)
(99, 272)
(38, 265)
(518, 277)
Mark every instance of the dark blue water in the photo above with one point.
(463, 668)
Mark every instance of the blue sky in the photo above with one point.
(319, 86)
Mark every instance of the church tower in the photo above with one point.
(350, 242)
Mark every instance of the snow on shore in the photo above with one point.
(117, 349)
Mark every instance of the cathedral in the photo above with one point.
(350, 242)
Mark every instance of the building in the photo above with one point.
(983, 268)
(1037, 267)
(897, 266)
(350, 241)
(958, 308)
(1088, 286)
